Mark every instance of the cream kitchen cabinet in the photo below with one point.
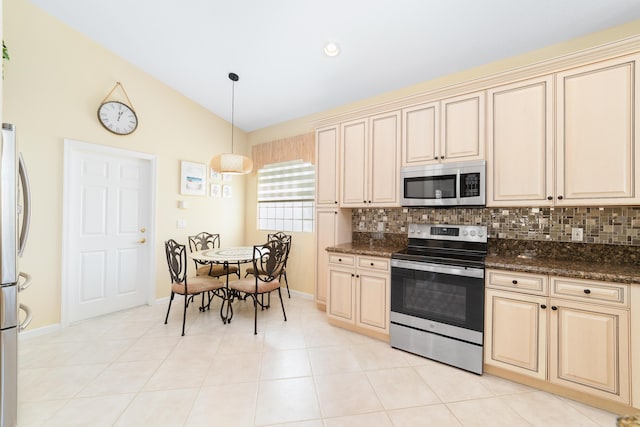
(451, 129)
(597, 157)
(589, 337)
(516, 322)
(370, 161)
(359, 293)
(572, 333)
(333, 227)
(520, 147)
(327, 182)
(594, 159)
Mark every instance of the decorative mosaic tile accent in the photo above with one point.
(608, 225)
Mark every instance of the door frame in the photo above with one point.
(71, 146)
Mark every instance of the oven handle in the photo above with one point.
(439, 268)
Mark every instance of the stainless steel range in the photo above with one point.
(437, 294)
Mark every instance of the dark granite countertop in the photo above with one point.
(382, 249)
(621, 273)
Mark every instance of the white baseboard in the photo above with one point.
(45, 330)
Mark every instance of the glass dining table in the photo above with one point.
(234, 255)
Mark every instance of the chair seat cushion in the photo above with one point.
(197, 284)
(248, 285)
(216, 270)
(251, 271)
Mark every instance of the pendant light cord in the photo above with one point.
(234, 78)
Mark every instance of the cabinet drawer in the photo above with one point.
(589, 290)
(521, 282)
(381, 264)
(342, 259)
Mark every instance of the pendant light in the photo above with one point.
(231, 163)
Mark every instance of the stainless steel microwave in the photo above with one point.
(444, 185)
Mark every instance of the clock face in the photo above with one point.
(117, 117)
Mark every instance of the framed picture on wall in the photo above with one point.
(216, 190)
(193, 178)
(227, 192)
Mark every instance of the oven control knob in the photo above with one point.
(480, 233)
(465, 232)
(472, 232)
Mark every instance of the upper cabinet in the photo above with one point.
(596, 159)
(594, 151)
(327, 171)
(520, 148)
(370, 160)
(451, 129)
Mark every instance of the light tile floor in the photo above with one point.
(129, 369)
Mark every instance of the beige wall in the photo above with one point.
(302, 277)
(53, 84)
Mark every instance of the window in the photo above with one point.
(286, 196)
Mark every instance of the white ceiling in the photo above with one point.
(276, 46)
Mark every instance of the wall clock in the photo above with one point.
(118, 117)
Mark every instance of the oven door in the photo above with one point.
(448, 294)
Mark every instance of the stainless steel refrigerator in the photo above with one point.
(14, 226)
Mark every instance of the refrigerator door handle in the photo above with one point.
(26, 283)
(22, 326)
(26, 197)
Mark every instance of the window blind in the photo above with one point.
(287, 181)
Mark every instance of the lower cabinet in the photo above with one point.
(570, 332)
(359, 294)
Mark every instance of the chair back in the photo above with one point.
(284, 238)
(176, 260)
(203, 241)
(269, 259)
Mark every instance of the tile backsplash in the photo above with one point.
(603, 225)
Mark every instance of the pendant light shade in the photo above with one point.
(229, 162)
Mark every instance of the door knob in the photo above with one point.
(143, 240)
(143, 229)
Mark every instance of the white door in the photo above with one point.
(108, 233)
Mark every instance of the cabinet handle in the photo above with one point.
(515, 282)
(549, 198)
(352, 275)
(554, 308)
(441, 157)
(369, 201)
(335, 201)
(435, 158)
(560, 197)
(543, 306)
(372, 266)
(357, 276)
(339, 259)
(587, 291)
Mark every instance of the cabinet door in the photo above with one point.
(463, 127)
(384, 154)
(520, 146)
(596, 125)
(372, 300)
(354, 159)
(589, 349)
(327, 170)
(515, 332)
(341, 297)
(333, 226)
(421, 136)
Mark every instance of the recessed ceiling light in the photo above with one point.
(331, 49)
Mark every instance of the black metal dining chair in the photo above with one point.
(285, 238)
(268, 264)
(188, 286)
(203, 241)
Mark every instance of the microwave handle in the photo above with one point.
(458, 187)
